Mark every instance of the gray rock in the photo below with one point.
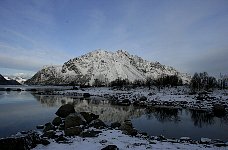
(57, 121)
(23, 142)
(65, 110)
(90, 133)
(74, 131)
(98, 124)
(40, 127)
(49, 134)
(185, 139)
(61, 139)
(89, 116)
(219, 110)
(48, 127)
(128, 129)
(110, 147)
(205, 141)
(115, 125)
(143, 98)
(73, 120)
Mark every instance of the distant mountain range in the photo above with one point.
(4, 81)
(104, 66)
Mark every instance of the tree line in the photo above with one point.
(199, 81)
(164, 80)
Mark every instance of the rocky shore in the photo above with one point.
(84, 130)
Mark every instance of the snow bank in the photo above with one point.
(123, 142)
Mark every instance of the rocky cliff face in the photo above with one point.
(104, 66)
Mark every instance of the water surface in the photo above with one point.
(25, 110)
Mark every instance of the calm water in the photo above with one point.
(24, 111)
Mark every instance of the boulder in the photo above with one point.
(22, 142)
(143, 98)
(49, 134)
(74, 131)
(110, 147)
(219, 110)
(61, 139)
(57, 121)
(89, 116)
(128, 129)
(125, 102)
(205, 141)
(86, 95)
(98, 124)
(73, 120)
(40, 126)
(65, 110)
(90, 133)
(115, 125)
(48, 127)
(185, 139)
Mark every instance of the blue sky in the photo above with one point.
(190, 35)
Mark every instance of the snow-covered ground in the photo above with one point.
(123, 142)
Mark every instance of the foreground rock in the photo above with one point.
(128, 129)
(219, 110)
(74, 119)
(65, 110)
(25, 141)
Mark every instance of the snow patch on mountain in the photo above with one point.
(104, 66)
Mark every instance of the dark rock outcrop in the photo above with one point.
(23, 142)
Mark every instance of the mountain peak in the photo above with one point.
(105, 66)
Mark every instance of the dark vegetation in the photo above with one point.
(164, 80)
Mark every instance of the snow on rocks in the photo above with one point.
(123, 142)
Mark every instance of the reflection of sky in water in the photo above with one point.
(24, 111)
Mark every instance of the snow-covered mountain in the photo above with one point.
(19, 77)
(4, 81)
(104, 66)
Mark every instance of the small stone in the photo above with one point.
(44, 142)
(40, 127)
(205, 141)
(110, 147)
(185, 139)
(220, 144)
(90, 133)
(61, 139)
(49, 134)
(103, 141)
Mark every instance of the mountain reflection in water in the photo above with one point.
(24, 110)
